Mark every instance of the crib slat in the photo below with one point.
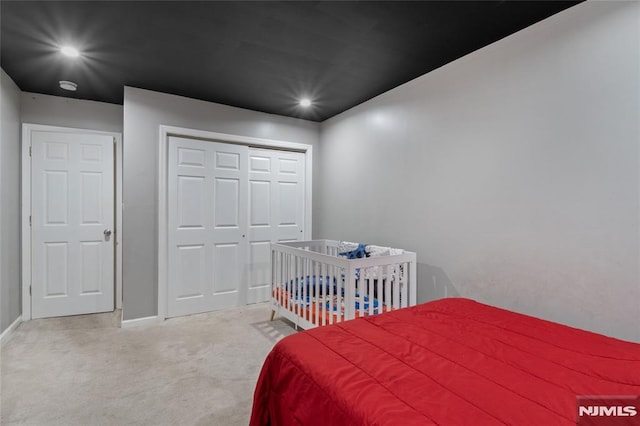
(338, 294)
(291, 283)
(403, 284)
(332, 289)
(349, 294)
(323, 289)
(371, 285)
(387, 289)
(302, 281)
(380, 299)
(316, 295)
(300, 286)
(291, 269)
(307, 279)
(274, 295)
(314, 271)
(361, 291)
(305, 287)
(281, 280)
(310, 292)
(337, 299)
(276, 282)
(294, 273)
(396, 286)
(288, 281)
(329, 295)
(343, 295)
(319, 297)
(274, 278)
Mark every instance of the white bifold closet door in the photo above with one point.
(226, 203)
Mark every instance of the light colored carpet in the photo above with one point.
(84, 370)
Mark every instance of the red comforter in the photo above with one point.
(448, 362)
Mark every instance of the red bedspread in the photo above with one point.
(448, 362)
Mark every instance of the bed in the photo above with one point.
(449, 362)
(322, 282)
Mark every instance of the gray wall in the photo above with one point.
(144, 112)
(18, 107)
(513, 172)
(67, 112)
(10, 300)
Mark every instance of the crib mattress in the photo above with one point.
(449, 362)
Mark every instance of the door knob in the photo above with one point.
(107, 232)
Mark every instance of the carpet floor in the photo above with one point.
(85, 370)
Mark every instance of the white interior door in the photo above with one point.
(276, 211)
(207, 201)
(72, 212)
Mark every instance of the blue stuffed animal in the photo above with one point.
(356, 253)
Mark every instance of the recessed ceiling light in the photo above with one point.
(305, 102)
(68, 85)
(70, 51)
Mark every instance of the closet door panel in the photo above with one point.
(207, 204)
(276, 211)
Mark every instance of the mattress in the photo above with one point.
(448, 362)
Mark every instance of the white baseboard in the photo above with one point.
(137, 322)
(6, 335)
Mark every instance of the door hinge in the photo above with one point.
(114, 139)
(29, 151)
(29, 220)
(29, 290)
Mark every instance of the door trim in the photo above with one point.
(27, 130)
(163, 218)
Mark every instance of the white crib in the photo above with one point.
(312, 286)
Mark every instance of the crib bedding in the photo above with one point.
(332, 310)
(320, 299)
(451, 361)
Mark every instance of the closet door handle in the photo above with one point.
(107, 233)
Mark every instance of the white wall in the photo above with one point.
(513, 172)
(144, 112)
(68, 112)
(10, 302)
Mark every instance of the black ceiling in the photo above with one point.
(260, 55)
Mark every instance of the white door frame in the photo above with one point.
(163, 222)
(27, 129)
